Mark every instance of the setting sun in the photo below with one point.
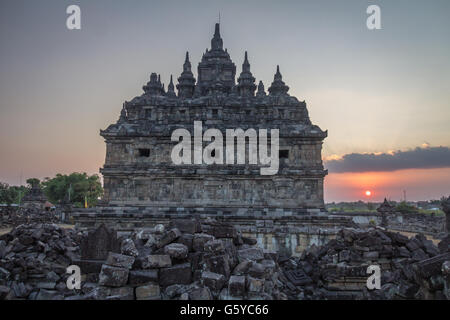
(368, 193)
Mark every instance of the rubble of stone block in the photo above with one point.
(33, 261)
(411, 268)
(11, 217)
(187, 260)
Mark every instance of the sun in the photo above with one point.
(368, 193)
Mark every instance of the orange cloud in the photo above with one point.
(420, 184)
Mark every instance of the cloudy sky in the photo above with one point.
(383, 95)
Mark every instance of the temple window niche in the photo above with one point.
(283, 154)
(144, 153)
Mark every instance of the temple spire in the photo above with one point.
(278, 87)
(187, 63)
(246, 64)
(260, 92)
(171, 89)
(216, 41)
(123, 114)
(186, 82)
(246, 81)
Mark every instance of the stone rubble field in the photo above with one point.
(190, 260)
(11, 217)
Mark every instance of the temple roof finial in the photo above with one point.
(186, 82)
(216, 41)
(261, 92)
(246, 81)
(217, 30)
(278, 87)
(278, 74)
(171, 89)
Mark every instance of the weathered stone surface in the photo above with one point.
(122, 293)
(129, 248)
(224, 231)
(249, 241)
(214, 246)
(187, 240)
(139, 277)
(148, 292)
(200, 294)
(255, 285)
(254, 254)
(120, 260)
(199, 241)
(176, 250)
(144, 234)
(444, 245)
(371, 255)
(185, 225)
(49, 295)
(213, 281)
(4, 291)
(426, 268)
(174, 290)
(99, 243)
(156, 261)
(178, 274)
(236, 286)
(168, 237)
(113, 276)
(257, 270)
(159, 229)
(242, 267)
(219, 264)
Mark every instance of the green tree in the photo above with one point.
(6, 195)
(76, 187)
(404, 207)
(33, 181)
(18, 192)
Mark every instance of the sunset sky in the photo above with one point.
(383, 95)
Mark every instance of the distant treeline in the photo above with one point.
(76, 188)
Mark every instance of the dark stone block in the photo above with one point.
(200, 294)
(120, 260)
(169, 237)
(212, 280)
(236, 286)
(113, 276)
(187, 240)
(184, 225)
(179, 274)
(254, 254)
(99, 243)
(139, 277)
(219, 264)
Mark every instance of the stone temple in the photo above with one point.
(143, 184)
